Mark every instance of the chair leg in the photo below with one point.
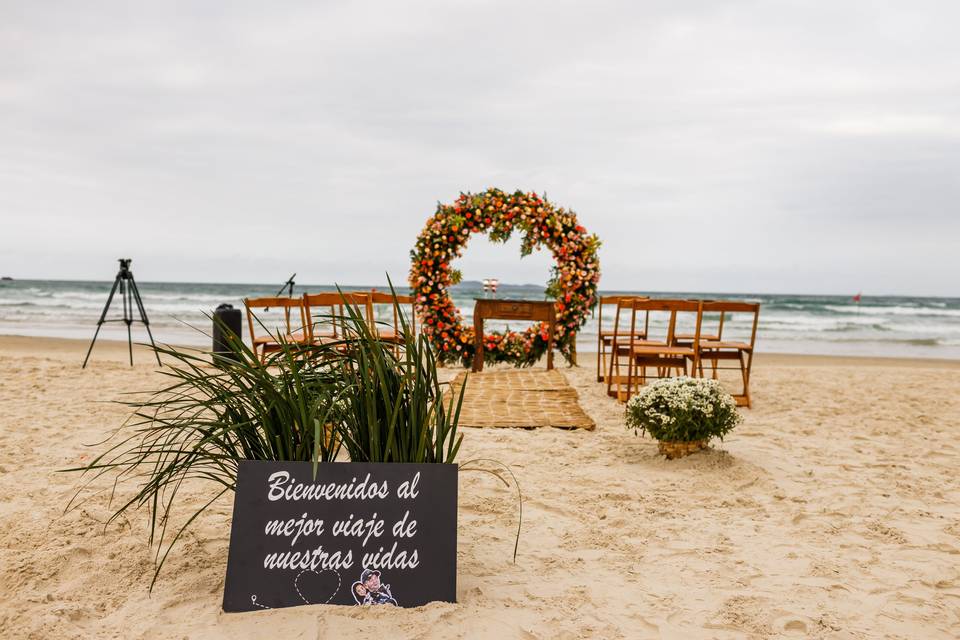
(610, 375)
(743, 372)
(607, 355)
(629, 381)
(624, 396)
(746, 380)
(599, 358)
(601, 361)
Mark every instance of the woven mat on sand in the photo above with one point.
(520, 398)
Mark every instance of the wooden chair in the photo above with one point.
(626, 335)
(605, 336)
(263, 345)
(618, 349)
(391, 332)
(661, 356)
(324, 326)
(720, 349)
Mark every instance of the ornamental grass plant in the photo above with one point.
(391, 406)
(380, 401)
(683, 409)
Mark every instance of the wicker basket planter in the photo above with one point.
(680, 449)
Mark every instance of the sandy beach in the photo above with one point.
(831, 512)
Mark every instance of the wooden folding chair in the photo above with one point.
(660, 356)
(605, 336)
(618, 349)
(391, 307)
(686, 339)
(721, 350)
(626, 335)
(324, 324)
(263, 345)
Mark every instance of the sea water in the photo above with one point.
(899, 326)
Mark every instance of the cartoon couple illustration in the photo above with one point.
(369, 590)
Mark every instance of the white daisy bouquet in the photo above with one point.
(683, 409)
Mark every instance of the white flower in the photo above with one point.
(683, 409)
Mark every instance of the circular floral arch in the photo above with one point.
(573, 282)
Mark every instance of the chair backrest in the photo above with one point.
(732, 307)
(359, 301)
(613, 300)
(381, 299)
(721, 317)
(620, 304)
(624, 306)
(286, 304)
(671, 308)
(328, 303)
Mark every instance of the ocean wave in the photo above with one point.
(821, 323)
(917, 342)
(921, 342)
(854, 326)
(926, 328)
(847, 338)
(146, 296)
(919, 311)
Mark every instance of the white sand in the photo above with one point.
(831, 512)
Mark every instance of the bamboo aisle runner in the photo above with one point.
(520, 398)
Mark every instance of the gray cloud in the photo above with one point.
(772, 146)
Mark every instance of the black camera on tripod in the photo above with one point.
(126, 286)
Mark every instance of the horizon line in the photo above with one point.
(509, 284)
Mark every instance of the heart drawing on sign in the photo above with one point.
(312, 585)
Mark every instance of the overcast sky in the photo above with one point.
(713, 146)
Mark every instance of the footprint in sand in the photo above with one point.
(793, 625)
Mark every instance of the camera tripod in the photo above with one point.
(127, 286)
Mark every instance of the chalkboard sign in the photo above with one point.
(358, 534)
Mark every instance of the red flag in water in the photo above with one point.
(856, 298)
